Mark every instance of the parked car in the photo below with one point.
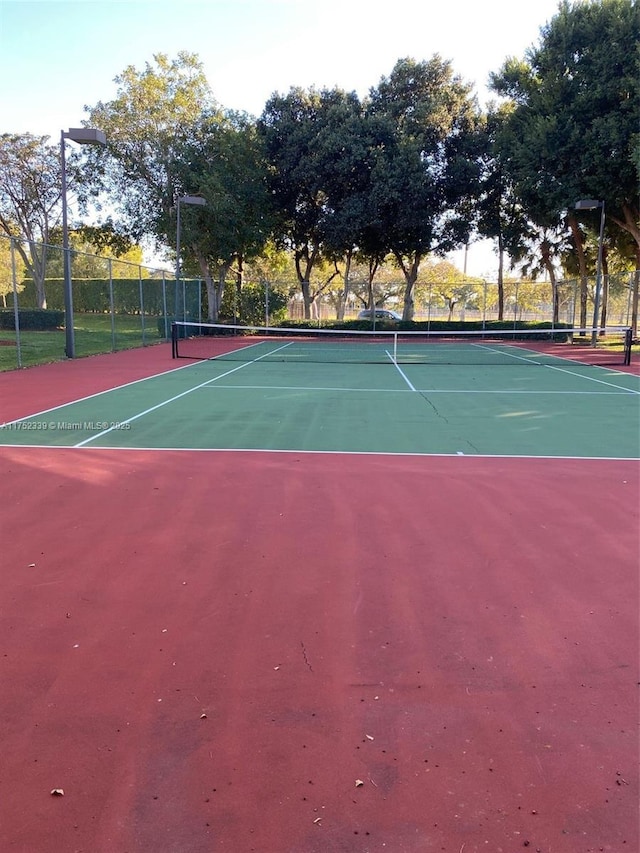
(381, 314)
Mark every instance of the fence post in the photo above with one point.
(484, 306)
(16, 311)
(112, 307)
(164, 305)
(141, 304)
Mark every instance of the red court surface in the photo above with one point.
(308, 653)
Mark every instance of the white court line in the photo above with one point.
(301, 452)
(97, 394)
(176, 397)
(400, 371)
(555, 367)
(510, 354)
(590, 378)
(295, 388)
(619, 389)
(259, 343)
(117, 388)
(529, 361)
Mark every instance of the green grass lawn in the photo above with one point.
(93, 335)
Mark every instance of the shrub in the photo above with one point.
(32, 319)
(249, 308)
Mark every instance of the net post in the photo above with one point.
(395, 347)
(174, 340)
(628, 343)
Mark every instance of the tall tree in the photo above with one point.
(91, 248)
(168, 137)
(425, 181)
(576, 116)
(6, 270)
(30, 199)
(347, 147)
(299, 131)
(147, 126)
(500, 214)
(223, 160)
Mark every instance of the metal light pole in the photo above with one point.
(182, 199)
(594, 204)
(83, 136)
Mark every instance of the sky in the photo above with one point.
(58, 56)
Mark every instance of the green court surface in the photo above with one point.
(557, 409)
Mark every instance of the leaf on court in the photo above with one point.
(57, 792)
(359, 783)
(203, 716)
(32, 566)
(369, 737)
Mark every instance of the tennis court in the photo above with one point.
(286, 595)
(360, 396)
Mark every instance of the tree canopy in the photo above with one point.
(30, 199)
(573, 130)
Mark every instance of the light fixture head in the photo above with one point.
(85, 136)
(588, 204)
(193, 199)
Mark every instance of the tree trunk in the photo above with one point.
(307, 301)
(41, 296)
(304, 261)
(630, 221)
(39, 259)
(237, 302)
(35, 265)
(555, 302)
(547, 262)
(223, 271)
(604, 294)
(215, 290)
(634, 302)
(371, 297)
(212, 299)
(500, 278)
(342, 302)
(410, 272)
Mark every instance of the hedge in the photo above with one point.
(442, 326)
(91, 296)
(33, 319)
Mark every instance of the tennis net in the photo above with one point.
(478, 346)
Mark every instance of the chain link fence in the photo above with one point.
(528, 301)
(522, 301)
(117, 304)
